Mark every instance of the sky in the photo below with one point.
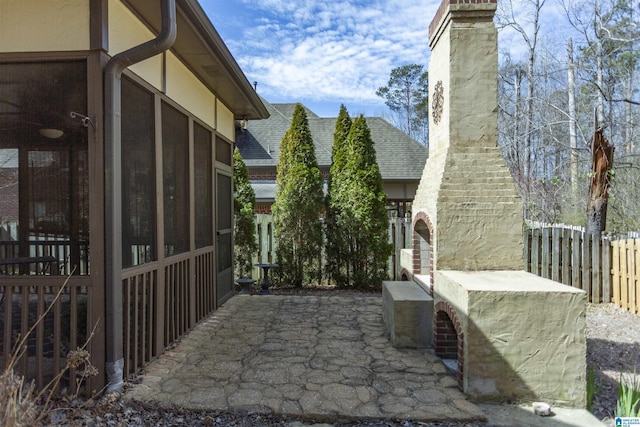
(326, 53)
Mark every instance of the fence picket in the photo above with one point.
(633, 275)
(596, 275)
(566, 256)
(585, 284)
(556, 253)
(606, 270)
(624, 276)
(637, 276)
(576, 250)
(615, 271)
(546, 253)
(535, 252)
(528, 236)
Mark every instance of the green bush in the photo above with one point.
(297, 205)
(358, 204)
(337, 248)
(244, 203)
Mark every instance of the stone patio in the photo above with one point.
(316, 357)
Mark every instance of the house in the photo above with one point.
(117, 124)
(401, 159)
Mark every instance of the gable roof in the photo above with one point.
(400, 157)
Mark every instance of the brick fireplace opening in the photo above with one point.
(422, 250)
(448, 338)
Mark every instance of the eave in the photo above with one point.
(201, 48)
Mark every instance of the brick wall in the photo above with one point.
(448, 338)
(422, 245)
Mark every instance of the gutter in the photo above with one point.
(114, 365)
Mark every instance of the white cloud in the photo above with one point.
(342, 50)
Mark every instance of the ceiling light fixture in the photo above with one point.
(51, 133)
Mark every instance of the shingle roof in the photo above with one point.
(399, 156)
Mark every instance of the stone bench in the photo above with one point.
(407, 311)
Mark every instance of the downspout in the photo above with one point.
(114, 365)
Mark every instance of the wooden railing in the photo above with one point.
(607, 269)
(164, 301)
(66, 326)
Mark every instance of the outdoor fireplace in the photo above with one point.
(514, 336)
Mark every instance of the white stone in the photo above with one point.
(541, 408)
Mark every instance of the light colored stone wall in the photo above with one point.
(524, 336)
(466, 189)
(427, 194)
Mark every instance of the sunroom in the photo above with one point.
(117, 122)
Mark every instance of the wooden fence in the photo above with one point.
(606, 268)
(399, 237)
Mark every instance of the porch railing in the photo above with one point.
(47, 256)
(24, 300)
(162, 302)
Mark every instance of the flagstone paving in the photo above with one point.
(306, 356)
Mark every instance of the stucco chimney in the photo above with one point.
(467, 198)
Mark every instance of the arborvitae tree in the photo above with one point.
(336, 244)
(297, 205)
(244, 203)
(361, 202)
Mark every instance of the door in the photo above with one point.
(224, 237)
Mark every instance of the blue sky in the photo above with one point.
(324, 54)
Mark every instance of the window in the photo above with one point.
(175, 169)
(138, 176)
